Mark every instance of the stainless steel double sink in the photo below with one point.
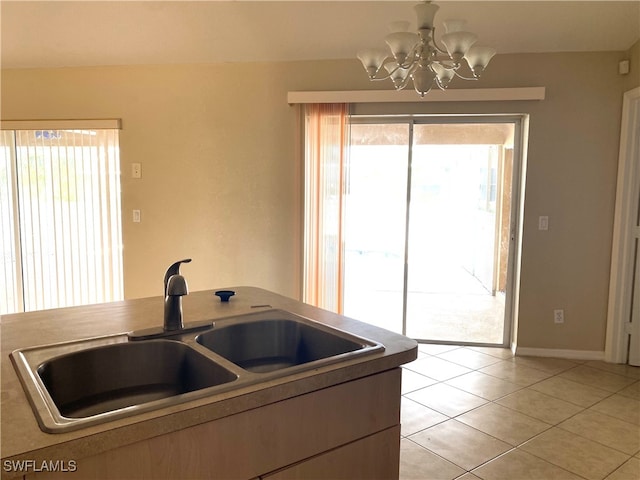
(76, 384)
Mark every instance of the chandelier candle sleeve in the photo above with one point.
(417, 56)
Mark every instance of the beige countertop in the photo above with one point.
(22, 438)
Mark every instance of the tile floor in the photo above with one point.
(481, 413)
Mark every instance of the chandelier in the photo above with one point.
(417, 57)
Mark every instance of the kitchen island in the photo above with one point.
(337, 421)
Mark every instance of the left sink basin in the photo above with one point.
(103, 379)
(77, 384)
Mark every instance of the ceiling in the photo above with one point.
(82, 33)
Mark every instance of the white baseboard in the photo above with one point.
(558, 353)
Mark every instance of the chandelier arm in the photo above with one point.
(464, 78)
(405, 82)
(408, 65)
(389, 74)
(398, 67)
(437, 47)
(441, 62)
(411, 58)
(439, 84)
(376, 79)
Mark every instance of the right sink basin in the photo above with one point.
(278, 340)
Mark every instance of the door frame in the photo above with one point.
(625, 220)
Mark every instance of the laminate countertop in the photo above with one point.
(22, 438)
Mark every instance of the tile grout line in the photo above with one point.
(521, 388)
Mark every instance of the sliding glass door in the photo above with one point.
(375, 223)
(429, 225)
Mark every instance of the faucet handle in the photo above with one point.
(174, 269)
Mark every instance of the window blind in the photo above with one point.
(63, 187)
(326, 135)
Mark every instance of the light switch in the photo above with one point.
(623, 67)
(136, 170)
(136, 216)
(543, 223)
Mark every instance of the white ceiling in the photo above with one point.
(79, 33)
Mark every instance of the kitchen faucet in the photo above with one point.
(175, 287)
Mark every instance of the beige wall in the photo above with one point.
(221, 181)
(633, 55)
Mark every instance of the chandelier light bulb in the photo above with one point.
(420, 59)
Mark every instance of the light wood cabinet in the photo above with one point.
(374, 457)
(350, 430)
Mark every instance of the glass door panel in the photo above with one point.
(459, 231)
(375, 224)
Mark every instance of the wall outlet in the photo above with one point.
(136, 170)
(558, 316)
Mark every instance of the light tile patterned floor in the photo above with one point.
(473, 413)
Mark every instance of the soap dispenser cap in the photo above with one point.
(225, 295)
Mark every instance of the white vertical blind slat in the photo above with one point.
(31, 210)
(6, 221)
(92, 229)
(116, 223)
(7, 279)
(57, 182)
(11, 280)
(67, 227)
(76, 229)
(47, 237)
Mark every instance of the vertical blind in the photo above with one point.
(10, 278)
(326, 138)
(60, 225)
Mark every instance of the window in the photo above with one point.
(60, 216)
